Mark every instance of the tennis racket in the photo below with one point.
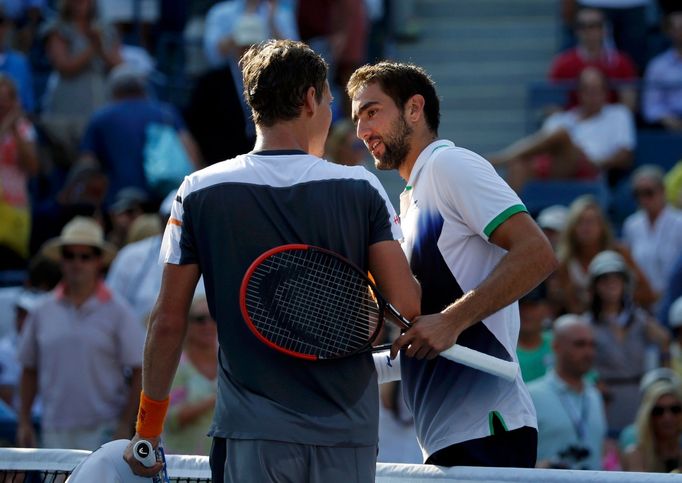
(311, 303)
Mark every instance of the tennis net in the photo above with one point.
(54, 466)
(21, 465)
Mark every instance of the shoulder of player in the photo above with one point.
(456, 162)
(338, 171)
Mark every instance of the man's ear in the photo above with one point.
(414, 107)
(310, 105)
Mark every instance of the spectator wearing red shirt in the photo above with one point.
(593, 51)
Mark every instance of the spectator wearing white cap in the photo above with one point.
(552, 221)
(624, 334)
(81, 350)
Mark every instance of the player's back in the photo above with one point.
(231, 213)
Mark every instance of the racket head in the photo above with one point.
(310, 303)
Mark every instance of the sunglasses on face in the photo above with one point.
(82, 256)
(589, 25)
(200, 318)
(658, 411)
(643, 192)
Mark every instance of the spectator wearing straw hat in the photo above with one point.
(76, 347)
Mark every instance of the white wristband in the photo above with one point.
(388, 370)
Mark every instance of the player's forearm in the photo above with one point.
(525, 266)
(162, 351)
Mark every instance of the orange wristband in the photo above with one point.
(150, 417)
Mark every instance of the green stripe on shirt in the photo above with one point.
(502, 217)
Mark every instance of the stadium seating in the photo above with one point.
(540, 194)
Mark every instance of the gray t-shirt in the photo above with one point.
(228, 214)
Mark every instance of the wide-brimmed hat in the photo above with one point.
(80, 231)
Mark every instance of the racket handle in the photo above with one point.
(483, 362)
(144, 452)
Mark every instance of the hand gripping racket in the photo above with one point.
(311, 303)
(144, 452)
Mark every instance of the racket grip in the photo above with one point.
(483, 362)
(144, 452)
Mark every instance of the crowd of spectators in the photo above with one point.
(606, 322)
(82, 81)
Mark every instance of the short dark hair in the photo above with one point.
(277, 74)
(400, 82)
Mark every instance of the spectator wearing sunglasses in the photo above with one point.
(193, 392)
(594, 50)
(659, 428)
(654, 233)
(81, 350)
(628, 339)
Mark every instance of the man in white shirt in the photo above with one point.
(592, 138)
(475, 250)
(653, 233)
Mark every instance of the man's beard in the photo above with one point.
(396, 145)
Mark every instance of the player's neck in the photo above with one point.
(284, 136)
(419, 143)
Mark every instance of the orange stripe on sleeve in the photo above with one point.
(174, 221)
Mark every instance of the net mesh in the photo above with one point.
(18, 465)
(311, 302)
(43, 465)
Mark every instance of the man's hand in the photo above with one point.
(429, 336)
(137, 467)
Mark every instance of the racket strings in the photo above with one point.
(319, 305)
(311, 302)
